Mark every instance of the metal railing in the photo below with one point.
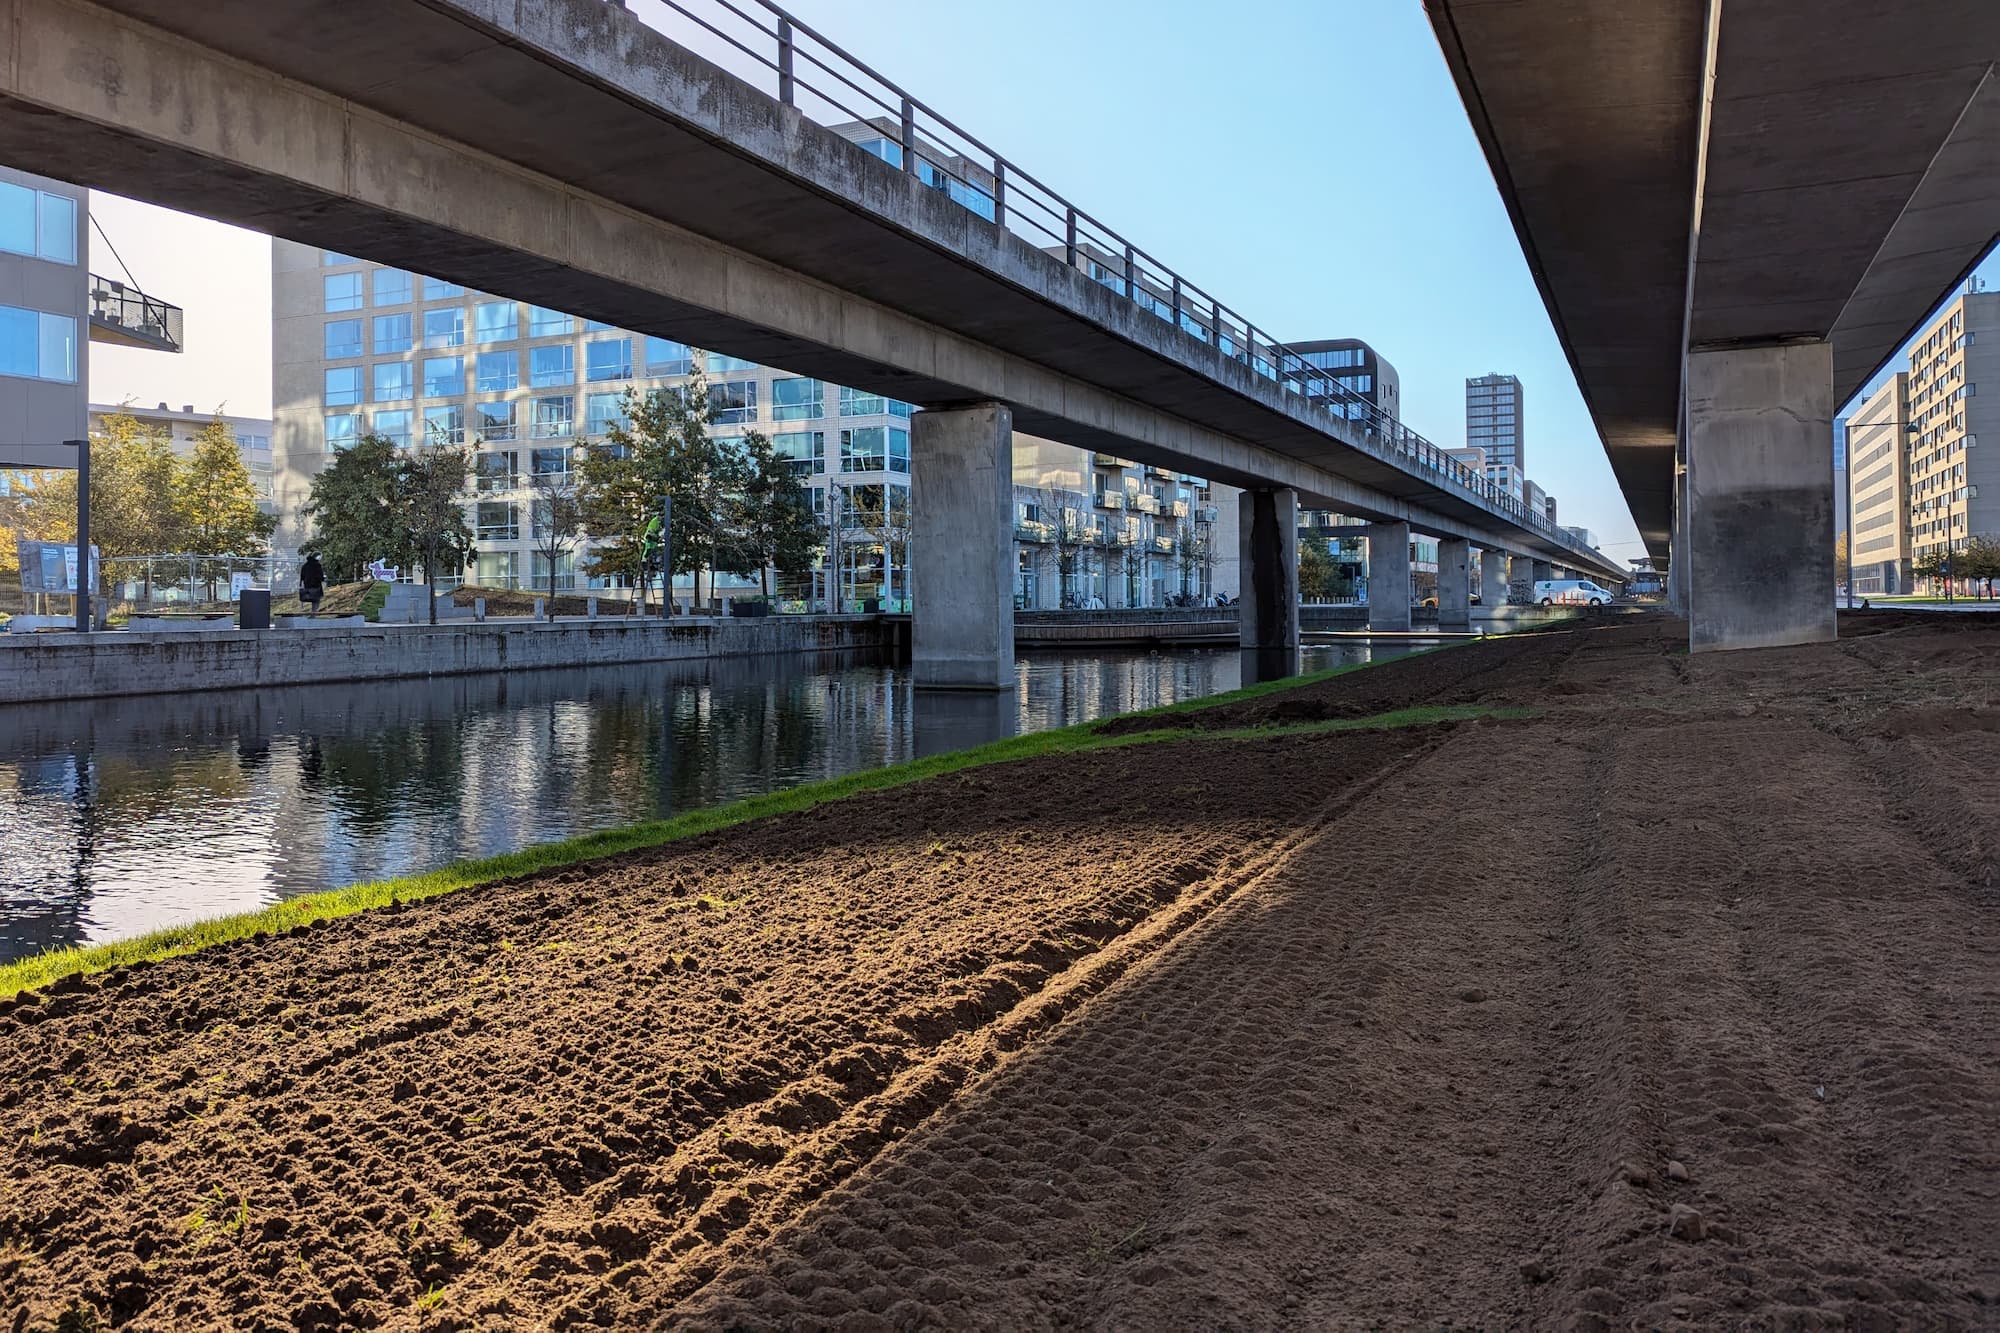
(113, 305)
(767, 47)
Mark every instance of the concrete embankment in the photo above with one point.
(47, 667)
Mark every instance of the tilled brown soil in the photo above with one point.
(1675, 1004)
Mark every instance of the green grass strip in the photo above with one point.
(172, 942)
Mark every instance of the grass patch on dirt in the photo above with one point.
(56, 965)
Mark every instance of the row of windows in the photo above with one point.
(37, 345)
(37, 224)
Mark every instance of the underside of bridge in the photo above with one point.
(1702, 187)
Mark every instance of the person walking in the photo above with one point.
(312, 581)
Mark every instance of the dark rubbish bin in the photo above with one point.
(253, 608)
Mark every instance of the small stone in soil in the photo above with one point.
(1676, 1171)
(1685, 1223)
(1534, 1270)
(1472, 995)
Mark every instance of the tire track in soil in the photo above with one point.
(1331, 1102)
(1816, 1019)
(867, 1128)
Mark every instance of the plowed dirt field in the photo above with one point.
(1674, 1003)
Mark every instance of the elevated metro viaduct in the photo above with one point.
(562, 152)
(1737, 211)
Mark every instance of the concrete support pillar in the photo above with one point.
(1389, 577)
(1454, 584)
(1267, 545)
(1493, 578)
(1520, 577)
(962, 548)
(1759, 530)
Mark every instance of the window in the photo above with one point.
(608, 359)
(38, 224)
(343, 386)
(804, 451)
(495, 421)
(392, 286)
(718, 364)
(56, 241)
(392, 334)
(549, 461)
(866, 449)
(550, 366)
(444, 376)
(732, 402)
(437, 289)
(964, 195)
(498, 569)
(797, 400)
(602, 411)
(343, 338)
(553, 418)
(37, 345)
(496, 521)
(495, 471)
(445, 327)
(444, 425)
(394, 426)
(546, 323)
(394, 381)
(498, 372)
(342, 429)
(495, 322)
(861, 403)
(343, 291)
(333, 258)
(664, 356)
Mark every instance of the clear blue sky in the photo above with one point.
(1308, 162)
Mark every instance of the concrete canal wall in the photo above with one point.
(43, 667)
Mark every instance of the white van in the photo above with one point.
(1571, 592)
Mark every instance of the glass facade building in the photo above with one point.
(523, 386)
(44, 310)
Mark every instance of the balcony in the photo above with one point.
(1165, 545)
(1205, 514)
(1111, 461)
(1179, 509)
(1146, 504)
(1112, 500)
(124, 317)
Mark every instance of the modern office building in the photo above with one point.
(181, 425)
(1493, 420)
(1879, 509)
(1367, 375)
(1584, 535)
(360, 347)
(44, 310)
(1954, 484)
(1358, 367)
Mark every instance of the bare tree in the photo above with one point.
(1064, 515)
(555, 518)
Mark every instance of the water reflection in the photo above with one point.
(122, 815)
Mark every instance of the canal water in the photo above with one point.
(119, 816)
